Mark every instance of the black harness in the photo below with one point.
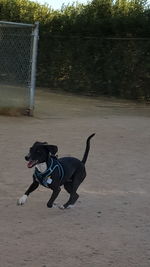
(54, 171)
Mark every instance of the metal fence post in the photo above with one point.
(18, 54)
(33, 67)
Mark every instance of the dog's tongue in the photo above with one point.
(30, 164)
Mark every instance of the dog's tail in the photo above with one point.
(87, 148)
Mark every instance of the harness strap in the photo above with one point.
(52, 167)
(44, 176)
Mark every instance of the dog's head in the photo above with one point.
(39, 153)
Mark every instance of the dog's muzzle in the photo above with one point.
(27, 158)
(31, 162)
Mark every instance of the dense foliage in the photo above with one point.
(90, 48)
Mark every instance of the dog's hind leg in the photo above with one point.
(71, 188)
(68, 186)
(72, 200)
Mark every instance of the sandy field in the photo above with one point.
(110, 224)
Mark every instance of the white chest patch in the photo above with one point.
(42, 167)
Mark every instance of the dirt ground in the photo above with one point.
(110, 224)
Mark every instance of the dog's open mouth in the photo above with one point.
(32, 163)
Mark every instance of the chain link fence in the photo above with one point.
(18, 52)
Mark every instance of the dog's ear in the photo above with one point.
(37, 143)
(52, 149)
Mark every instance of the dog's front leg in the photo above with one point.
(54, 195)
(31, 188)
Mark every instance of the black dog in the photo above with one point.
(52, 172)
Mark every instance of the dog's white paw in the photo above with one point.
(22, 200)
(55, 205)
(70, 207)
(61, 207)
